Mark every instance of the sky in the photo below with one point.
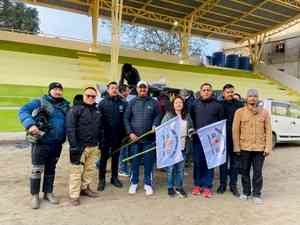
(76, 26)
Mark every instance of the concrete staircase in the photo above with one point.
(91, 68)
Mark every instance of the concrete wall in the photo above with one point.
(287, 61)
(283, 77)
(64, 42)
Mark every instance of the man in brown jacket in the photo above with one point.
(252, 137)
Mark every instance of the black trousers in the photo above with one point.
(44, 158)
(106, 152)
(255, 160)
(234, 161)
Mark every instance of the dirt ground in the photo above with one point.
(281, 196)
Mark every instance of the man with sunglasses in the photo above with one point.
(141, 116)
(204, 111)
(85, 134)
(112, 109)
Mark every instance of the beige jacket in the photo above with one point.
(252, 131)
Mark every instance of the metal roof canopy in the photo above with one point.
(233, 20)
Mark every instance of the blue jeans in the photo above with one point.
(175, 174)
(149, 159)
(203, 177)
(123, 166)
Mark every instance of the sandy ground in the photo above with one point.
(281, 195)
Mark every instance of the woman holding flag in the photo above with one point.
(175, 173)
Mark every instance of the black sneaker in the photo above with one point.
(116, 182)
(235, 191)
(181, 193)
(101, 185)
(221, 189)
(171, 192)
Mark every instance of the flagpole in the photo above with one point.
(132, 142)
(141, 153)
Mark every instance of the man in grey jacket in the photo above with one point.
(141, 116)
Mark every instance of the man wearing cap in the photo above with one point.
(252, 138)
(141, 116)
(44, 120)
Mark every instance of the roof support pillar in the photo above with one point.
(256, 49)
(116, 18)
(95, 17)
(185, 35)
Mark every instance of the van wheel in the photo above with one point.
(274, 140)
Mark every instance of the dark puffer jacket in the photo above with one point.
(203, 113)
(141, 115)
(112, 110)
(56, 110)
(84, 127)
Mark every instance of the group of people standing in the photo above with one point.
(99, 129)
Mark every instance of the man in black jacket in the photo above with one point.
(112, 109)
(141, 116)
(130, 74)
(84, 131)
(230, 105)
(204, 111)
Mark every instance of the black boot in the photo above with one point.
(116, 182)
(221, 189)
(235, 191)
(101, 185)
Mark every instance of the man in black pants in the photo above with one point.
(230, 105)
(252, 137)
(112, 108)
(44, 120)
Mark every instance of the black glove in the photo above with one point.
(75, 156)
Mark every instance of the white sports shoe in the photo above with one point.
(244, 197)
(132, 189)
(148, 189)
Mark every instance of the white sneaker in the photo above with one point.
(148, 189)
(258, 200)
(132, 189)
(243, 197)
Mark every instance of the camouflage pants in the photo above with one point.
(82, 175)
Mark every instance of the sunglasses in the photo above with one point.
(91, 96)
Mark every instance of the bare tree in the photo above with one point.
(153, 39)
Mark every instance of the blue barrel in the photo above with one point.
(219, 59)
(244, 63)
(209, 59)
(232, 61)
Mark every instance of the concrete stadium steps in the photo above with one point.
(33, 69)
(91, 68)
(193, 81)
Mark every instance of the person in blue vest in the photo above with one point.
(141, 116)
(44, 121)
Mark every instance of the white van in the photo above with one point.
(285, 118)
